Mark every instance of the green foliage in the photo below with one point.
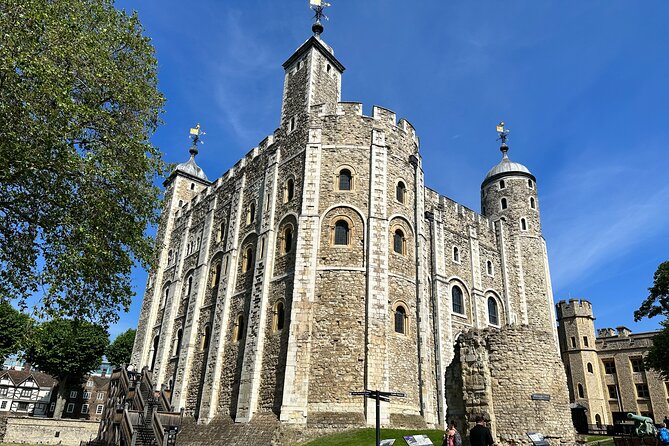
(67, 349)
(120, 350)
(658, 355)
(14, 328)
(78, 103)
(367, 437)
(657, 301)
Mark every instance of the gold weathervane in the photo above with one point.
(503, 133)
(195, 134)
(318, 6)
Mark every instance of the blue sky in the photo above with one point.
(582, 85)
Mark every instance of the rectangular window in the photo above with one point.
(637, 364)
(3, 391)
(89, 384)
(642, 391)
(52, 407)
(87, 395)
(23, 407)
(70, 408)
(3, 405)
(613, 394)
(585, 341)
(84, 408)
(573, 342)
(98, 409)
(73, 394)
(100, 396)
(25, 393)
(609, 367)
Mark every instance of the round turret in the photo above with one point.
(509, 193)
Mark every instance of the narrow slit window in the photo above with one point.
(503, 203)
(532, 203)
(400, 319)
(290, 190)
(239, 328)
(502, 185)
(456, 254)
(205, 338)
(287, 239)
(279, 316)
(251, 214)
(523, 224)
(489, 267)
(400, 192)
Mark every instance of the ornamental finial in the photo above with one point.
(318, 6)
(195, 134)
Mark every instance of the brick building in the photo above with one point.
(605, 369)
(321, 263)
(87, 400)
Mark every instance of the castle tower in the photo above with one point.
(154, 327)
(576, 333)
(509, 198)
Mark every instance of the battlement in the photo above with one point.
(574, 308)
(355, 109)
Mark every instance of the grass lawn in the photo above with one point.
(367, 437)
(602, 440)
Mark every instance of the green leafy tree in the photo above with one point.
(14, 329)
(78, 103)
(120, 350)
(68, 350)
(657, 303)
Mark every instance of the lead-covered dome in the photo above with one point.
(191, 168)
(506, 167)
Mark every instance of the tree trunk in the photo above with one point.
(61, 398)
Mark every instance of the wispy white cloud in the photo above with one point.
(603, 213)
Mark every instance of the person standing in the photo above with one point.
(453, 436)
(663, 435)
(480, 434)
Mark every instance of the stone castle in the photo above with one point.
(321, 264)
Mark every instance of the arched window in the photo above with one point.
(192, 186)
(458, 304)
(345, 179)
(398, 241)
(488, 266)
(289, 190)
(598, 420)
(456, 254)
(205, 338)
(239, 328)
(341, 233)
(247, 260)
(501, 184)
(503, 202)
(590, 370)
(581, 394)
(532, 203)
(190, 286)
(523, 224)
(287, 239)
(216, 277)
(493, 311)
(279, 316)
(251, 213)
(400, 192)
(169, 257)
(400, 319)
(530, 183)
(177, 343)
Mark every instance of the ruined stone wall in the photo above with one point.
(502, 369)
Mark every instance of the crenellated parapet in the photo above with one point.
(574, 308)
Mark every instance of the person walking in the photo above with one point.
(480, 434)
(663, 435)
(452, 436)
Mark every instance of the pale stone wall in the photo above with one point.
(30, 430)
